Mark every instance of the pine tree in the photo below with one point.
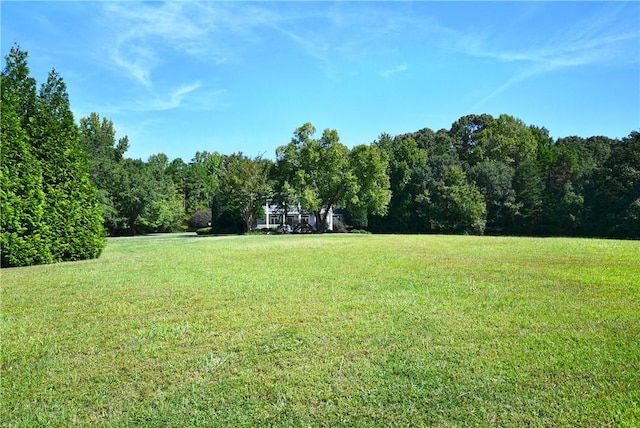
(97, 138)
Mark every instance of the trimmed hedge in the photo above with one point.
(200, 219)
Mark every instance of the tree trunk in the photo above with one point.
(247, 225)
(320, 221)
(248, 219)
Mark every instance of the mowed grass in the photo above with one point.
(333, 330)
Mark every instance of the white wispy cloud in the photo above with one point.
(136, 61)
(174, 99)
(142, 39)
(596, 41)
(314, 48)
(347, 36)
(210, 31)
(395, 70)
(343, 39)
(140, 32)
(223, 33)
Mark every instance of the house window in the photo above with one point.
(275, 219)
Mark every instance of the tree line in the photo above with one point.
(161, 195)
(484, 175)
(499, 176)
(66, 185)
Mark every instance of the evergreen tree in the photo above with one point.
(21, 197)
(97, 138)
(49, 204)
(72, 209)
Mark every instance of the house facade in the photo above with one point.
(294, 217)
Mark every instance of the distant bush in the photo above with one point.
(360, 231)
(200, 219)
(303, 228)
(226, 229)
(339, 226)
(357, 219)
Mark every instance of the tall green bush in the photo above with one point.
(50, 209)
(200, 219)
(21, 195)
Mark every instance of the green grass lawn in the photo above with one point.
(333, 330)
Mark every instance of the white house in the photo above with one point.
(294, 217)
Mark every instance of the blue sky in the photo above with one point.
(181, 77)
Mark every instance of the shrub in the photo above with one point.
(226, 229)
(203, 231)
(303, 228)
(339, 226)
(200, 219)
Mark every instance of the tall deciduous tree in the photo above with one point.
(406, 171)
(244, 183)
(164, 213)
(146, 198)
(371, 193)
(466, 135)
(202, 184)
(617, 199)
(178, 170)
(284, 194)
(324, 176)
(505, 139)
(494, 179)
(448, 203)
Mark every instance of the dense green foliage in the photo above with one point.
(198, 181)
(501, 177)
(50, 209)
(200, 219)
(136, 196)
(106, 167)
(244, 187)
(448, 331)
(324, 174)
